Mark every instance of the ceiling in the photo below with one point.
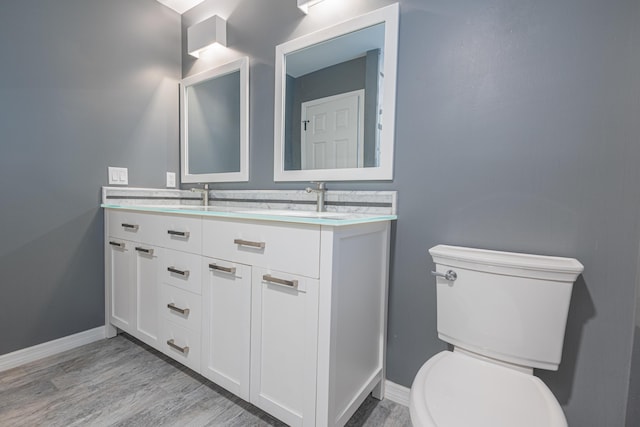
(335, 51)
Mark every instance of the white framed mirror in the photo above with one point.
(214, 124)
(335, 101)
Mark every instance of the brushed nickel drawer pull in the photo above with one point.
(184, 350)
(184, 311)
(241, 242)
(291, 283)
(230, 270)
(183, 273)
(117, 244)
(144, 250)
(176, 233)
(132, 227)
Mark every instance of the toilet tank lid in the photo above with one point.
(510, 260)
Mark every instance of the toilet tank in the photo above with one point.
(508, 306)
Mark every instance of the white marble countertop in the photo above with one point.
(296, 216)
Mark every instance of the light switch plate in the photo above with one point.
(171, 179)
(118, 176)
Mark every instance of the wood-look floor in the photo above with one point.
(121, 382)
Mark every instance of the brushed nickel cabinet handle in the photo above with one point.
(144, 250)
(290, 283)
(132, 227)
(176, 233)
(117, 244)
(184, 311)
(184, 350)
(230, 270)
(241, 242)
(183, 273)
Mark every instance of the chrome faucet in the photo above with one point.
(320, 190)
(205, 194)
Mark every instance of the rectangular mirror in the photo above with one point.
(335, 101)
(214, 122)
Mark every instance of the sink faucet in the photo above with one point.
(205, 193)
(320, 190)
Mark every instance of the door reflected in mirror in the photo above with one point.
(332, 118)
(214, 121)
(335, 101)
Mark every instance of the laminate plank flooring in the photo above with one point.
(122, 382)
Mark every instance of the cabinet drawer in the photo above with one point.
(181, 344)
(181, 307)
(288, 247)
(180, 233)
(132, 226)
(182, 270)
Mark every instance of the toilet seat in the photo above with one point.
(453, 389)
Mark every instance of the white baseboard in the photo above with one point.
(396, 393)
(30, 354)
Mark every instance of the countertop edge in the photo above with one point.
(361, 219)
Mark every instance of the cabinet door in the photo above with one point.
(120, 284)
(146, 293)
(284, 328)
(226, 325)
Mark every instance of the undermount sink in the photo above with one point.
(195, 208)
(299, 214)
(268, 212)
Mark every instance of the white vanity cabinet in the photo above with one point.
(226, 327)
(179, 285)
(318, 312)
(119, 284)
(180, 304)
(145, 272)
(149, 277)
(288, 315)
(284, 345)
(132, 277)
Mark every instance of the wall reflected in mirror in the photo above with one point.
(333, 96)
(214, 124)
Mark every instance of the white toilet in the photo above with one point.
(505, 314)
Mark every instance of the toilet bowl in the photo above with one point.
(505, 314)
(456, 390)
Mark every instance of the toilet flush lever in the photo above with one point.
(450, 275)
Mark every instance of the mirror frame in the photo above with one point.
(388, 15)
(242, 175)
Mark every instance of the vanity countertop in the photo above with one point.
(295, 216)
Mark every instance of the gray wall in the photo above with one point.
(517, 129)
(371, 108)
(84, 84)
(633, 404)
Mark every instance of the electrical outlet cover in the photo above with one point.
(171, 179)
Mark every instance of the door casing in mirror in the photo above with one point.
(384, 170)
(242, 173)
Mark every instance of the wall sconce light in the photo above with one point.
(205, 34)
(305, 4)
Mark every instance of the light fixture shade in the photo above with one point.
(180, 6)
(304, 4)
(206, 33)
